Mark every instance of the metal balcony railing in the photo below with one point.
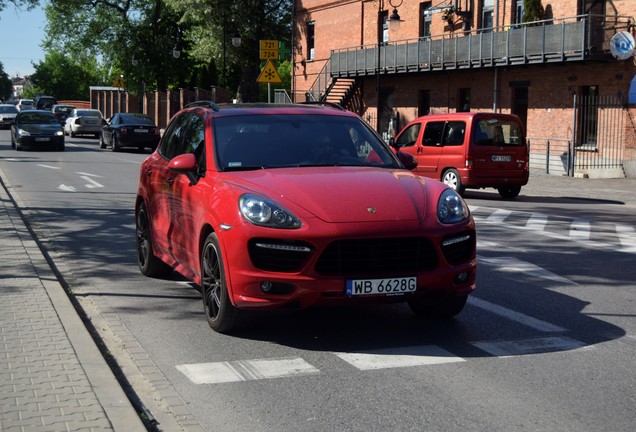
(550, 41)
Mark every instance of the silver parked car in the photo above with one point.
(84, 122)
(7, 115)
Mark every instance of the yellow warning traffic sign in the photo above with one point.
(119, 82)
(269, 74)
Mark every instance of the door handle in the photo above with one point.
(170, 181)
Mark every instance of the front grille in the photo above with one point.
(458, 249)
(378, 256)
(278, 255)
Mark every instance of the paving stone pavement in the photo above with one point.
(52, 375)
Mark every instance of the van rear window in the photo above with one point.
(497, 132)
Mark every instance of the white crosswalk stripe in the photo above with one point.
(399, 357)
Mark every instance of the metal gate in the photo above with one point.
(598, 135)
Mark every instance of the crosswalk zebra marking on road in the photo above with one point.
(510, 348)
(423, 355)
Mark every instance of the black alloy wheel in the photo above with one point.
(221, 315)
(149, 264)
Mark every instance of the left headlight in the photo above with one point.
(451, 208)
(263, 212)
(23, 132)
(59, 133)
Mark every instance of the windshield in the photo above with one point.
(88, 113)
(8, 109)
(276, 141)
(140, 119)
(38, 118)
(494, 131)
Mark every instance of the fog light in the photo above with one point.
(461, 278)
(266, 287)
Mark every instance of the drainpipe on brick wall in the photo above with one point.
(495, 95)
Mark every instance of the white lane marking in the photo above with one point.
(518, 317)
(498, 216)
(246, 370)
(400, 357)
(528, 346)
(88, 174)
(91, 183)
(67, 188)
(49, 166)
(514, 265)
(627, 237)
(537, 222)
(580, 229)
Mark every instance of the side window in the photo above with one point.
(454, 133)
(433, 134)
(409, 136)
(171, 144)
(194, 139)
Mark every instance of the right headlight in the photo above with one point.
(451, 208)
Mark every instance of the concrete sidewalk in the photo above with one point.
(52, 375)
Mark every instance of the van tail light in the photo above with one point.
(469, 162)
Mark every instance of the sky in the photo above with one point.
(21, 34)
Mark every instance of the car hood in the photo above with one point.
(342, 194)
(47, 128)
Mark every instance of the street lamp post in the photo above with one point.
(393, 25)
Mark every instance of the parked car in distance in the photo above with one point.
(62, 112)
(25, 104)
(469, 150)
(282, 206)
(36, 129)
(7, 115)
(84, 122)
(45, 102)
(129, 130)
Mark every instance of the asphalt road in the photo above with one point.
(547, 343)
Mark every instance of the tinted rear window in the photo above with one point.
(8, 110)
(494, 131)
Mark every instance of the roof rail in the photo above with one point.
(203, 103)
(324, 103)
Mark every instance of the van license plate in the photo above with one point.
(500, 158)
(390, 286)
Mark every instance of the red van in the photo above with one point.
(469, 150)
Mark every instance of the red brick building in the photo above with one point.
(567, 74)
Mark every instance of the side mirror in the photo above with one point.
(185, 164)
(407, 159)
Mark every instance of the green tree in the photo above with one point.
(212, 23)
(26, 4)
(65, 78)
(6, 86)
(532, 10)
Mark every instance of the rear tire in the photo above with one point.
(509, 192)
(149, 264)
(102, 143)
(438, 307)
(221, 315)
(114, 145)
(451, 179)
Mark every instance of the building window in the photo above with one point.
(487, 15)
(464, 100)
(426, 19)
(310, 39)
(518, 12)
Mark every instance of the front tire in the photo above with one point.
(102, 143)
(438, 307)
(451, 179)
(149, 264)
(221, 315)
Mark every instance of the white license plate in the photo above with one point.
(141, 130)
(43, 139)
(500, 158)
(389, 286)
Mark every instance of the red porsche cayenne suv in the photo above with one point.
(279, 206)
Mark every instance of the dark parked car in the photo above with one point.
(129, 130)
(35, 129)
(45, 102)
(62, 112)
